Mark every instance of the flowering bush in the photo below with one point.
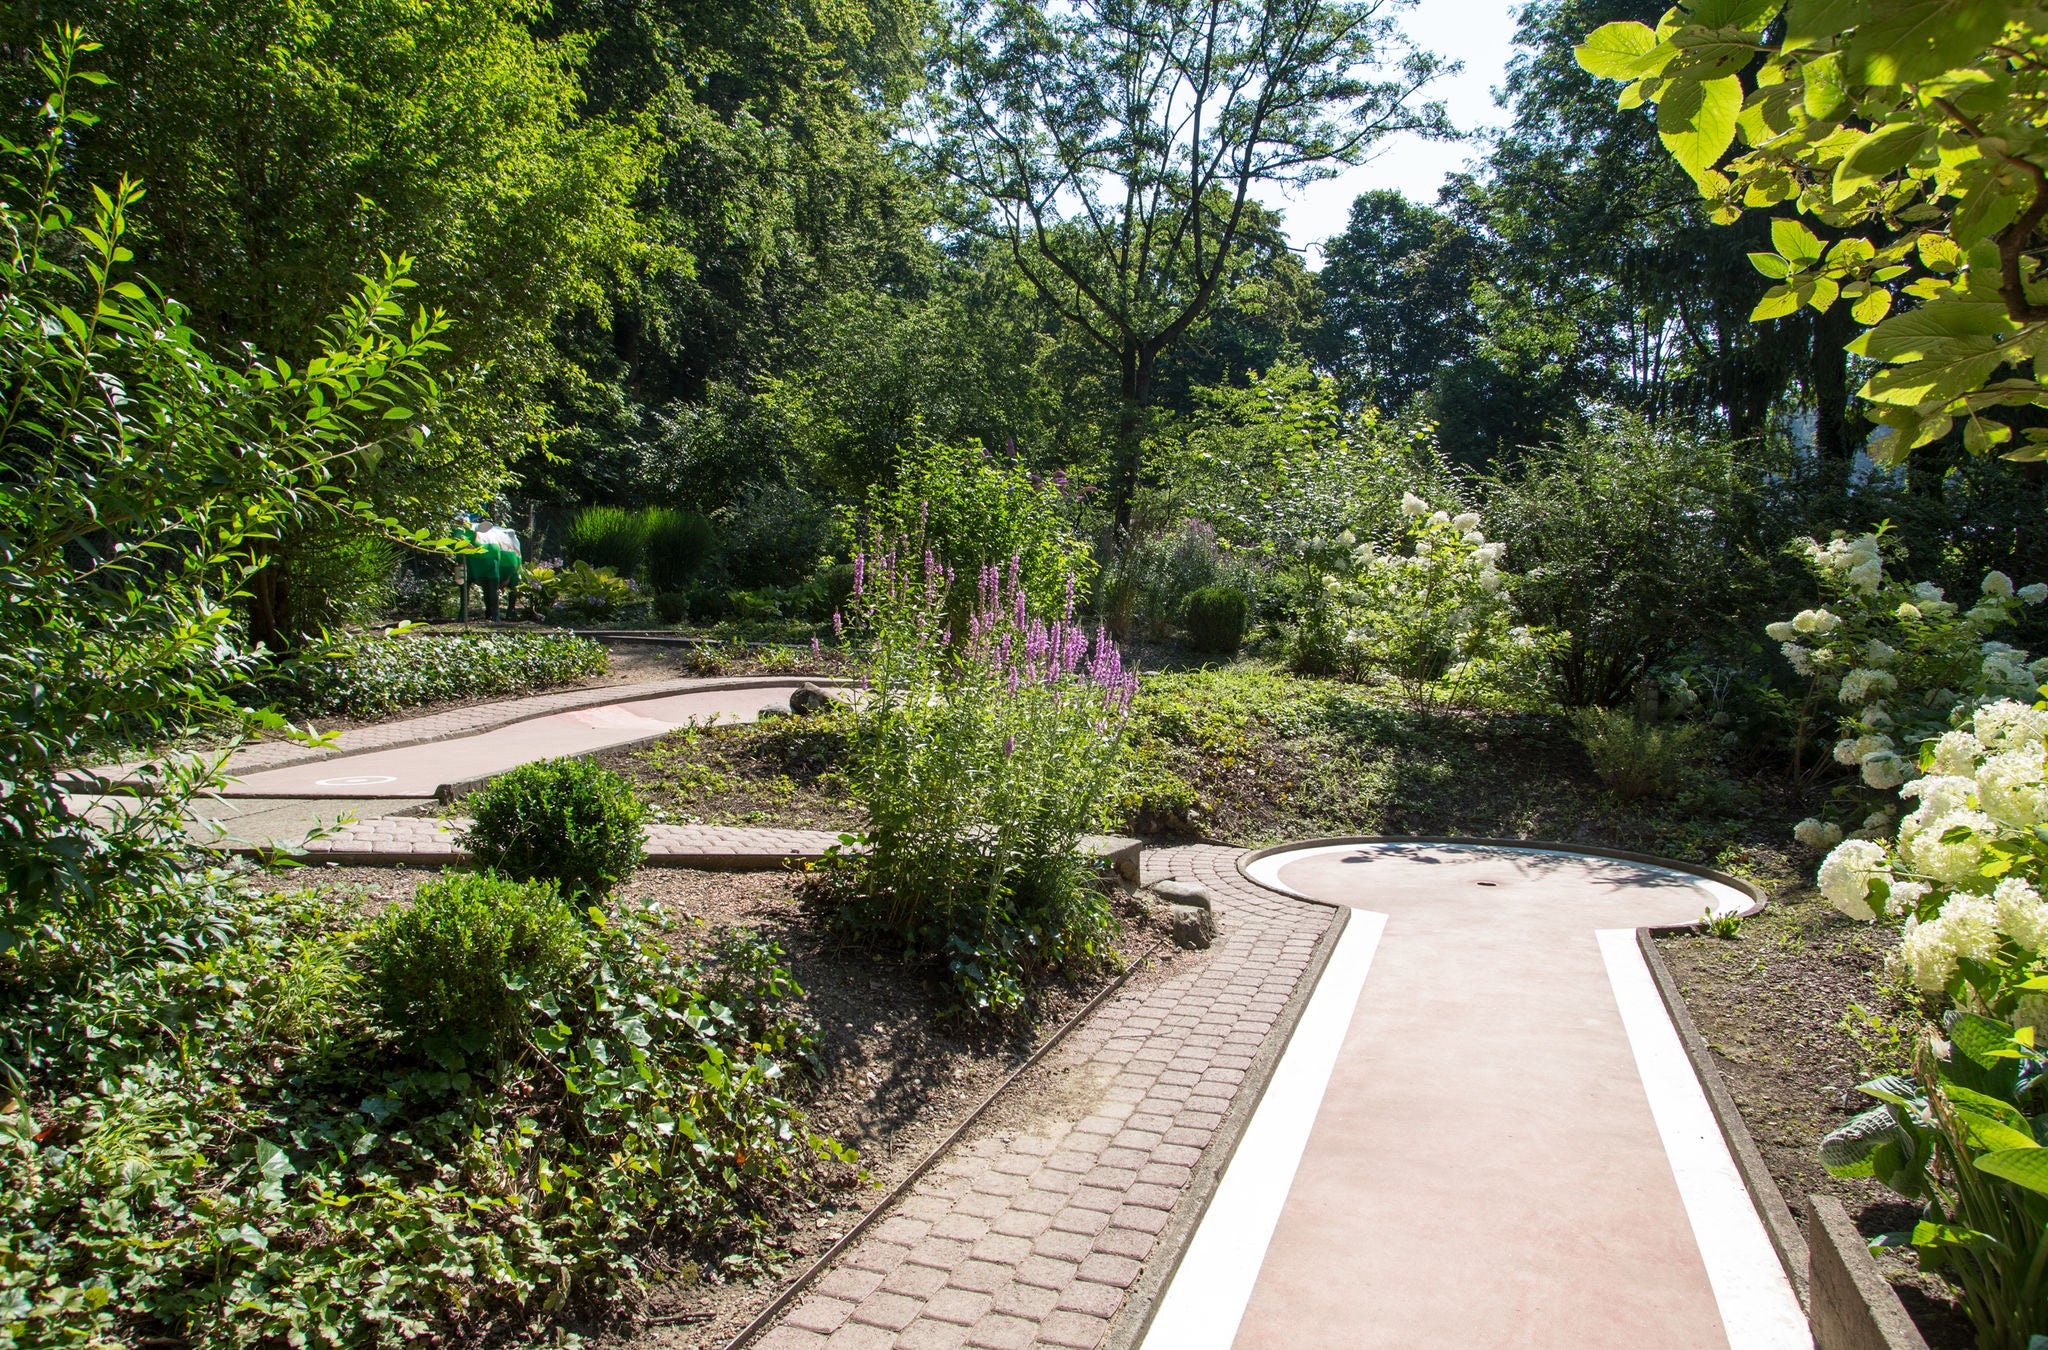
(1431, 602)
(1896, 663)
(982, 756)
(1964, 875)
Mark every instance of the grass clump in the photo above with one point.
(569, 821)
(1635, 758)
(606, 536)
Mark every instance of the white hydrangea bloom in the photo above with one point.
(1474, 537)
(1984, 616)
(2009, 787)
(1867, 576)
(1800, 657)
(1908, 610)
(1956, 864)
(1940, 795)
(1846, 874)
(1880, 820)
(1817, 833)
(1885, 770)
(1412, 505)
(1859, 686)
(1956, 754)
(1925, 591)
(1878, 653)
(1905, 895)
(1781, 631)
(1489, 554)
(1925, 952)
(1816, 621)
(1874, 716)
(2033, 594)
(1489, 581)
(1997, 585)
(1466, 520)
(2005, 724)
(1423, 548)
(2021, 915)
(1854, 751)
(1439, 517)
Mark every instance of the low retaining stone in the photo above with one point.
(1853, 1306)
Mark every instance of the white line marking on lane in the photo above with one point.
(1206, 1299)
(1757, 1304)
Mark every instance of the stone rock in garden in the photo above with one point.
(1190, 926)
(808, 700)
(772, 710)
(1184, 893)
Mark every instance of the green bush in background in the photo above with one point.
(588, 593)
(1635, 758)
(678, 545)
(606, 536)
(1214, 618)
(564, 820)
(457, 968)
(372, 675)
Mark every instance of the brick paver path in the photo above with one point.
(412, 839)
(1037, 1236)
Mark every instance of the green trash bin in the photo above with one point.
(497, 566)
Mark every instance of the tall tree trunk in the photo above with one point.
(269, 607)
(1136, 391)
(1834, 440)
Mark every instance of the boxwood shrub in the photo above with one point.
(564, 820)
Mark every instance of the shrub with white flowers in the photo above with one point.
(1895, 664)
(1966, 870)
(1429, 601)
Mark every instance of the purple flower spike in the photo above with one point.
(860, 572)
(1070, 598)
(838, 628)
(1009, 746)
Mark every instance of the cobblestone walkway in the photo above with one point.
(1049, 1235)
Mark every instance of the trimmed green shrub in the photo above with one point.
(564, 820)
(372, 675)
(455, 969)
(679, 544)
(1214, 618)
(606, 536)
(672, 606)
(1635, 758)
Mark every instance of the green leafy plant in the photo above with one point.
(589, 593)
(142, 482)
(1724, 924)
(679, 546)
(607, 537)
(372, 675)
(565, 820)
(980, 764)
(1911, 134)
(1430, 602)
(1635, 758)
(456, 969)
(1215, 618)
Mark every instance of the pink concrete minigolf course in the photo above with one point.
(1484, 1131)
(421, 770)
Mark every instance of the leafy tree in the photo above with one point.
(287, 143)
(141, 480)
(1112, 146)
(1911, 133)
(1399, 307)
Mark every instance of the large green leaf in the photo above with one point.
(1696, 121)
(1826, 91)
(1619, 51)
(1794, 242)
(1813, 21)
(1905, 40)
(2026, 1167)
(1986, 1042)
(1883, 152)
(1934, 330)
(1747, 15)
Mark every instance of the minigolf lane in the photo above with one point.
(1484, 1131)
(419, 770)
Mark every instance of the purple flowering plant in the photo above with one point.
(988, 743)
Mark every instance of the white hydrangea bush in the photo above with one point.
(1965, 871)
(1892, 664)
(1431, 600)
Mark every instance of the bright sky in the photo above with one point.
(1478, 32)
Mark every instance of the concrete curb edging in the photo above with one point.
(1764, 1194)
(1134, 1319)
(1853, 1306)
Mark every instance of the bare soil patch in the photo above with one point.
(786, 772)
(1797, 1013)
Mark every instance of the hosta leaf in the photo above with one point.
(2026, 1167)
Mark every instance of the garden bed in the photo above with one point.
(892, 1079)
(1797, 1013)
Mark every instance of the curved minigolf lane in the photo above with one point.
(420, 770)
(1484, 1131)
